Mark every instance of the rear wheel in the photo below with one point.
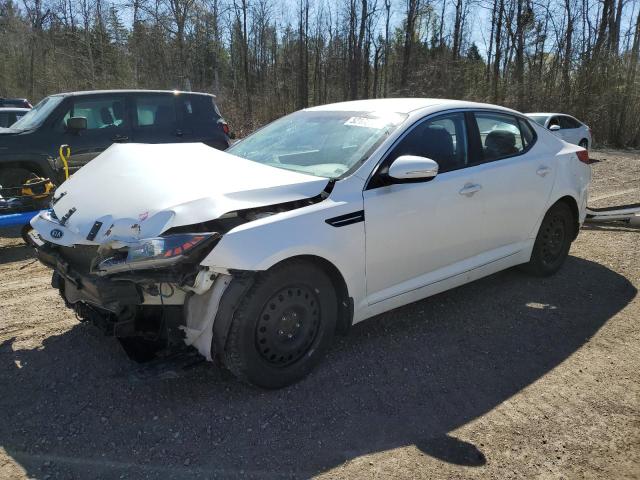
(552, 242)
(283, 325)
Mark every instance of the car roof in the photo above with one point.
(401, 105)
(100, 92)
(545, 114)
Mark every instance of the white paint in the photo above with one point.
(200, 313)
(143, 190)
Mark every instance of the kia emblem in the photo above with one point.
(55, 233)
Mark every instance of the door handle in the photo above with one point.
(469, 189)
(542, 171)
(120, 138)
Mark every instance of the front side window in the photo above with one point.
(100, 112)
(322, 143)
(442, 139)
(500, 135)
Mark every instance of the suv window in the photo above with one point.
(198, 111)
(442, 139)
(500, 135)
(100, 112)
(155, 111)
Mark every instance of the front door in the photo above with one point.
(418, 233)
(107, 123)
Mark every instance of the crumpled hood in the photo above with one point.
(139, 191)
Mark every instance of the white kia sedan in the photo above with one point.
(566, 127)
(258, 255)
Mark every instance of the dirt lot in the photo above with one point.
(509, 377)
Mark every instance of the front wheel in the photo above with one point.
(283, 325)
(552, 242)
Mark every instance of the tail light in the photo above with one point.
(225, 126)
(583, 156)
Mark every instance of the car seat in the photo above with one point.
(106, 118)
(500, 143)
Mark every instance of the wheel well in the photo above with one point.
(345, 303)
(572, 204)
(31, 167)
(585, 140)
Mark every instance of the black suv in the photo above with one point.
(89, 122)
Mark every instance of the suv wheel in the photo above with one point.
(14, 177)
(283, 325)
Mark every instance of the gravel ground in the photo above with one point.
(508, 377)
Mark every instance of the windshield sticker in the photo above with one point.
(377, 123)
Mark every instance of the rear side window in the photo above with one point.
(568, 122)
(157, 111)
(198, 111)
(501, 135)
(442, 139)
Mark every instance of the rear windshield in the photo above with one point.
(539, 119)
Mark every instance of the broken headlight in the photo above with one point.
(155, 252)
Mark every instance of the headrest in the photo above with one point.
(502, 141)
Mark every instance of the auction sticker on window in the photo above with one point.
(365, 122)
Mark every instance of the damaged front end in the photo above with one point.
(155, 289)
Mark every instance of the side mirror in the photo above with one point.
(554, 128)
(75, 124)
(413, 168)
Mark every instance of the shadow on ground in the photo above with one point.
(408, 377)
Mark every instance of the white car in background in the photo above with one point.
(259, 254)
(566, 127)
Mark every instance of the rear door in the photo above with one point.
(107, 123)
(516, 179)
(155, 118)
(570, 129)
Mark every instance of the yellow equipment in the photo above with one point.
(37, 188)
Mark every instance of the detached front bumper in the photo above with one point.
(75, 285)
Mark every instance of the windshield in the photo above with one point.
(540, 119)
(38, 114)
(324, 144)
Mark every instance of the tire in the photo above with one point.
(283, 325)
(584, 143)
(553, 241)
(14, 177)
